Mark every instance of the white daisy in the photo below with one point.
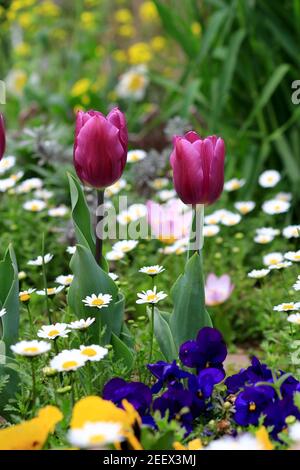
(137, 211)
(2, 312)
(291, 231)
(134, 156)
(124, 218)
(65, 280)
(25, 295)
(275, 206)
(22, 275)
(212, 219)
(294, 318)
(294, 431)
(282, 265)
(273, 258)
(82, 324)
(113, 276)
(50, 290)
(150, 296)
(114, 255)
(284, 196)
(269, 178)
(230, 219)
(244, 207)
(29, 185)
(296, 286)
(43, 194)
(263, 239)
(234, 184)
(166, 194)
(124, 246)
(115, 188)
(71, 250)
(98, 301)
(59, 211)
(93, 352)
(31, 348)
(95, 435)
(210, 230)
(5, 184)
(68, 360)
(287, 307)
(35, 205)
(39, 260)
(258, 273)
(7, 163)
(133, 83)
(159, 183)
(241, 442)
(293, 256)
(54, 331)
(269, 231)
(17, 176)
(152, 270)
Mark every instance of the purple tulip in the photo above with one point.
(198, 168)
(100, 147)
(217, 289)
(2, 136)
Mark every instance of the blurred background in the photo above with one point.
(219, 66)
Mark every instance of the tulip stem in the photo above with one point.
(197, 239)
(99, 228)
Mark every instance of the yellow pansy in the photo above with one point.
(32, 434)
(195, 444)
(262, 436)
(148, 12)
(139, 53)
(81, 87)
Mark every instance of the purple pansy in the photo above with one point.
(167, 374)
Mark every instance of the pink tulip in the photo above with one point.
(198, 168)
(2, 136)
(169, 222)
(100, 147)
(217, 289)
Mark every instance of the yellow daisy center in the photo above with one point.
(97, 302)
(69, 364)
(90, 352)
(96, 439)
(235, 185)
(53, 333)
(297, 257)
(152, 270)
(136, 82)
(69, 280)
(24, 297)
(35, 207)
(273, 261)
(288, 306)
(134, 157)
(151, 297)
(31, 349)
(167, 240)
(51, 290)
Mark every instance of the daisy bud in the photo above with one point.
(64, 390)
(49, 372)
(100, 147)
(198, 168)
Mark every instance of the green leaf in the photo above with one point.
(90, 279)
(164, 336)
(122, 351)
(9, 299)
(189, 314)
(81, 215)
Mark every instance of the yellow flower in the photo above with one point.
(48, 8)
(196, 28)
(148, 12)
(22, 49)
(85, 99)
(32, 434)
(94, 409)
(158, 43)
(88, 20)
(139, 53)
(81, 87)
(16, 81)
(25, 19)
(119, 55)
(123, 15)
(262, 436)
(195, 444)
(126, 30)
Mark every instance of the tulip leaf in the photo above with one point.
(89, 278)
(189, 314)
(164, 336)
(122, 351)
(9, 323)
(81, 215)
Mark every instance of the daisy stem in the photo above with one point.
(72, 383)
(33, 383)
(45, 280)
(30, 317)
(151, 333)
(99, 218)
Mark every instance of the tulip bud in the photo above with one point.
(198, 168)
(2, 136)
(100, 147)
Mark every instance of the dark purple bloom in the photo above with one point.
(177, 402)
(166, 373)
(137, 393)
(208, 350)
(257, 372)
(276, 414)
(203, 383)
(251, 403)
